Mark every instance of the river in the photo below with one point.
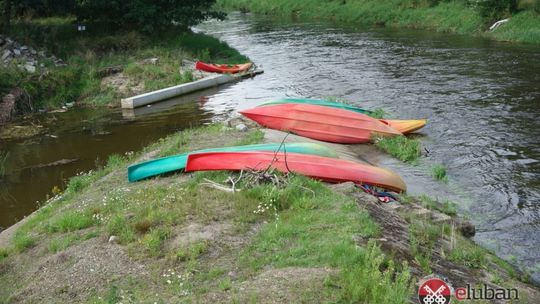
(482, 99)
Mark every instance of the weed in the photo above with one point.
(153, 241)
(225, 284)
(70, 221)
(401, 147)
(377, 113)
(4, 253)
(439, 172)
(59, 244)
(22, 240)
(193, 251)
(469, 255)
(119, 226)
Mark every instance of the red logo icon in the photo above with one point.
(434, 291)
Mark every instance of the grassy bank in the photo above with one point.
(88, 54)
(174, 239)
(445, 16)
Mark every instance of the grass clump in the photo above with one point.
(401, 147)
(154, 240)
(469, 255)
(22, 240)
(377, 113)
(439, 172)
(4, 253)
(70, 221)
(446, 207)
(59, 244)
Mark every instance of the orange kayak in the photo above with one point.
(405, 126)
(320, 122)
(327, 169)
(222, 68)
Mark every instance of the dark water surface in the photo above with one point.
(482, 99)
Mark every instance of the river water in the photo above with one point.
(482, 99)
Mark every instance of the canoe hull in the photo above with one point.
(223, 68)
(320, 122)
(321, 168)
(178, 162)
(318, 102)
(405, 126)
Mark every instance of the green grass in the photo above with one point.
(23, 240)
(469, 255)
(87, 53)
(70, 221)
(378, 113)
(443, 16)
(401, 147)
(446, 207)
(4, 253)
(61, 243)
(315, 229)
(439, 172)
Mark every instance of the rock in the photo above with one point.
(153, 61)
(113, 239)
(345, 188)
(42, 54)
(17, 52)
(24, 48)
(111, 70)
(466, 228)
(33, 52)
(30, 68)
(440, 218)
(70, 104)
(6, 54)
(241, 127)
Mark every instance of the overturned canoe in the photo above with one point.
(322, 168)
(402, 125)
(178, 162)
(318, 102)
(223, 68)
(320, 122)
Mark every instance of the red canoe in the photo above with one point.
(223, 68)
(320, 122)
(323, 168)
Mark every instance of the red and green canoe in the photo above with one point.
(402, 125)
(320, 122)
(223, 68)
(322, 168)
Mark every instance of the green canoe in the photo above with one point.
(318, 102)
(178, 162)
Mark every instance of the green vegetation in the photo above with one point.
(378, 113)
(89, 54)
(198, 243)
(460, 16)
(401, 147)
(446, 207)
(439, 172)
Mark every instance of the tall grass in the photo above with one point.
(401, 147)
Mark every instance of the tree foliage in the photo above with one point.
(139, 15)
(146, 15)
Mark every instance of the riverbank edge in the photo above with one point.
(95, 215)
(448, 17)
(100, 68)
